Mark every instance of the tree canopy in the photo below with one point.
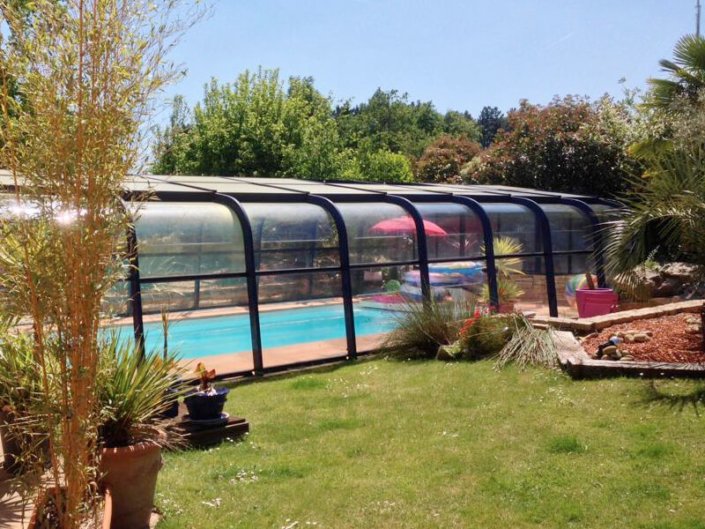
(570, 145)
(260, 126)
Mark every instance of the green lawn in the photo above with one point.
(419, 445)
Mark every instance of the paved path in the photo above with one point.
(11, 507)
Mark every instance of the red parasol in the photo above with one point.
(406, 226)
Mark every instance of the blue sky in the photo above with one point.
(460, 54)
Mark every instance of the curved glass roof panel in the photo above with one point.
(292, 235)
(194, 238)
(463, 236)
(571, 230)
(517, 223)
(378, 232)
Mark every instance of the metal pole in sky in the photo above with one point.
(697, 18)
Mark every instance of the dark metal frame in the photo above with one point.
(328, 202)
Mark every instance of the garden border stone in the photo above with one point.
(579, 364)
(597, 323)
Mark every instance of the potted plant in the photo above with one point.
(133, 391)
(508, 290)
(206, 403)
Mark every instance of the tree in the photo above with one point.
(686, 74)
(490, 122)
(443, 160)
(388, 121)
(379, 166)
(570, 145)
(461, 125)
(664, 213)
(252, 127)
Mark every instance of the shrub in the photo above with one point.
(485, 335)
(570, 145)
(424, 327)
(443, 160)
(386, 166)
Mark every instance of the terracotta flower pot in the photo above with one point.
(130, 473)
(35, 521)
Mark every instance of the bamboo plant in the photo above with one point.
(77, 79)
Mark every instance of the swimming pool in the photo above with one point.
(197, 337)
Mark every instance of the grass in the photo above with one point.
(434, 445)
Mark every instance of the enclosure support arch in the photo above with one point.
(204, 195)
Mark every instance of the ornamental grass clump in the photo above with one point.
(423, 327)
(528, 346)
(76, 81)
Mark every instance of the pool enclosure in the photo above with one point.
(259, 274)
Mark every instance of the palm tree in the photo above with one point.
(667, 209)
(686, 71)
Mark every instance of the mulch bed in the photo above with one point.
(670, 341)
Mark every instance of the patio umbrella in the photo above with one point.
(406, 226)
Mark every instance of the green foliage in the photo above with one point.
(257, 126)
(570, 145)
(486, 336)
(251, 127)
(386, 166)
(528, 346)
(443, 159)
(86, 72)
(491, 120)
(20, 376)
(461, 125)
(388, 121)
(686, 74)
(423, 327)
(666, 210)
(507, 288)
(132, 390)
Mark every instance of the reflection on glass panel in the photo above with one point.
(516, 223)
(571, 278)
(295, 235)
(458, 232)
(605, 213)
(312, 324)
(190, 295)
(116, 301)
(188, 239)
(570, 229)
(520, 287)
(297, 287)
(379, 232)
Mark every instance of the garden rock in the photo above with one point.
(447, 353)
(682, 272)
(670, 286)
(635, 335)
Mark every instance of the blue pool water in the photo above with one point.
(196, 337)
